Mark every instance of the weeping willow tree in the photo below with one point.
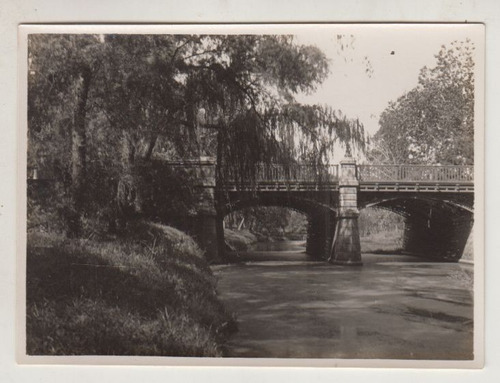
(231, 97)
(246, 87)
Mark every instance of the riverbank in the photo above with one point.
(239, 240)
(150, 294)
(384, 241)
(243, 240)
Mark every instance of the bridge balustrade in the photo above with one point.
(296, 173)
(308, 175)
(416, 173)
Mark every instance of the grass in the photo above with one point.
(384, 241)
(152, 294)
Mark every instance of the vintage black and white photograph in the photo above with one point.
(277, 193)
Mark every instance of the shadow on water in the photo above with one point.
(295, 251)
(393, 307)
(285, 251)
(279, 246)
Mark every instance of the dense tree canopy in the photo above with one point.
(103, 108)
(434, 122)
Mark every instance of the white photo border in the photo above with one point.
(24, 30)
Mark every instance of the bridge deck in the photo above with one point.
(363, 187)
(371, 178)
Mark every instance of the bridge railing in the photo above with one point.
(329, 174)
(298, 173)
(414, 173)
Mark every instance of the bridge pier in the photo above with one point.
(205, 232)
(208, 223)
(346, 248)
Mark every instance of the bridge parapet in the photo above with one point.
(269, 177)
(297, 173)
(276, 177)
(293, 177)
(416, 173)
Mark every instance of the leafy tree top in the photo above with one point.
(434, 122)
(161, 93)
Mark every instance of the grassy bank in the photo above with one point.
(239, 240)
(384, 241)
(152, 294)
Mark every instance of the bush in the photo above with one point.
(152, 294)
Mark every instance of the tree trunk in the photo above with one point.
(151, 146)
(127, 152)
(127, 196)
(78, 153)
(219, 199)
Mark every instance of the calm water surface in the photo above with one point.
(394, 306)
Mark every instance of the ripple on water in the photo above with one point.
(392, 307)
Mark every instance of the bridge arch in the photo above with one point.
(436, 227)
(302, 204)
(321, 216)
(441, 197)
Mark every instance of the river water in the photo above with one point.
(393, 307)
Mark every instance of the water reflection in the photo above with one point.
(278, 246)
(392, 307)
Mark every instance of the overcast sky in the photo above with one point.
(379, 64)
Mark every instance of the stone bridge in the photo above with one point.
(436, 202)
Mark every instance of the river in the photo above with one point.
(392, 307)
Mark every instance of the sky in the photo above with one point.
(379, 64)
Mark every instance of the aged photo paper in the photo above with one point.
(251, 195)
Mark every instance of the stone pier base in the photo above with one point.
(346, 248)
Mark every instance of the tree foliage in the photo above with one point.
(434, 122)
(103, 108)
(62, 72)
(270, 221)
